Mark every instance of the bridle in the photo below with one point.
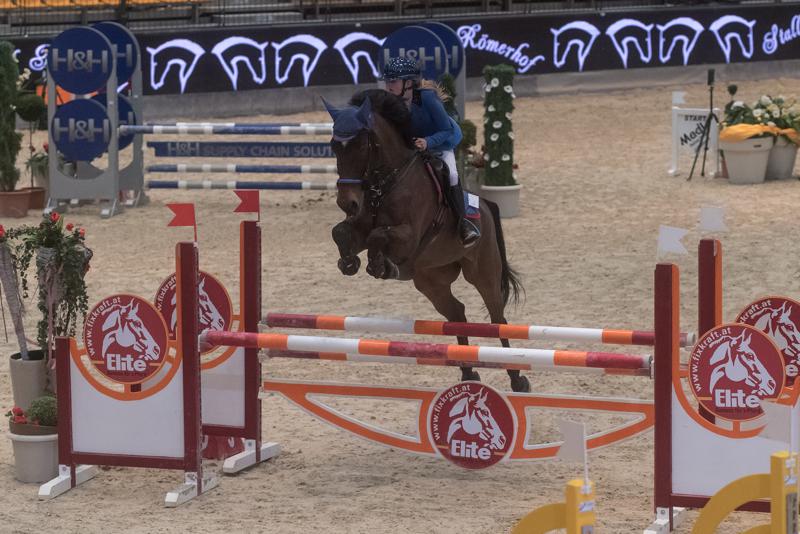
(376, 183)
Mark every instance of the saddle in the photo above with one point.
(439, 173)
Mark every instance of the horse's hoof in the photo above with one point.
(376, 269)
(391, 271)
(349, 266)
(471, 375)
(520, 384)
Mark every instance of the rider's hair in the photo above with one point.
(430, 84)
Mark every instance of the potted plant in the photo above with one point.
(31, 108)
(27, 367)
(745, 142)
(61, 259)
(34, 436)
(500, 185)
(12, 203)
(782, 114)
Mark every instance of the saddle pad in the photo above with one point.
(472, 205)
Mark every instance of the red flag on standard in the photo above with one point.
(250, 202)
(184, 216)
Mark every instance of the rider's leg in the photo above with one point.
(468, 231)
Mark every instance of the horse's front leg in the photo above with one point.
(388, 246)
(350, 243)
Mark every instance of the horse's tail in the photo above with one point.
(510, 284)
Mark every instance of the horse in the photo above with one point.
(124, 327)
(736, 361)
(394, 210)
(477, 419)
(777, 323)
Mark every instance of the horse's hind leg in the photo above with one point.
(435, 284)
(489, 287)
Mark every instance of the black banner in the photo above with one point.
(230, 59)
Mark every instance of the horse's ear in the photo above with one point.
(332, 111)
(364, 113)
(111, 319)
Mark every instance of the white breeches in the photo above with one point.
(450, 159)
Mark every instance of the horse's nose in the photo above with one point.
(352, 208)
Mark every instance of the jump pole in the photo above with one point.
(485, 330)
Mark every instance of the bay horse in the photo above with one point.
(394, 211)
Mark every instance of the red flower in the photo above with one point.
(70, 226)
(2, 231)
(54, 216)
(46, 147)
(20, 419)
(16, 410)
(82, 232)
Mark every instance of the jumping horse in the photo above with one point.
(395, 211)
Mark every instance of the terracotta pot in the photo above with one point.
(14, 203)
(35, 452)
(37, 197)
(28, 378)
(505, 196)
(747, 160)
(782, 156)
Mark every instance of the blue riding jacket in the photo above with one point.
(430, 120)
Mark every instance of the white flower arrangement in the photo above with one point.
(495, 82)
(494, 164)
(497, 125)
(505, 157)
(494, 136)
(765, 100)
(491, 108)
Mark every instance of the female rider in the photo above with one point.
(433, 130)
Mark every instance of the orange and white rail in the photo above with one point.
(487, 330)
(468, 354)
(437, 362)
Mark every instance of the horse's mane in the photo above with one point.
(389, 106)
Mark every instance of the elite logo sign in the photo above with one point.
(126, 338)
(732, 368)
(216, 309)
(779, 318)
(471, 425)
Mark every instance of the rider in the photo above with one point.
(433, 130)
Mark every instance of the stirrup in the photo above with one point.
(468, 232)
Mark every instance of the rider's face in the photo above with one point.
(395, 86)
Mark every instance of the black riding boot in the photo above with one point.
(467, 230)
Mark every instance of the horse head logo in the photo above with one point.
(124, 327)
(210, 316)
(736, 361)
(777, 323)
(473, 416)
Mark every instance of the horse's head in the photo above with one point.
(757, 374)
(124, 326)
(785, 326)
(371, 140)
(210, 317)
(471, 415)
(497, 440)
(352, 144)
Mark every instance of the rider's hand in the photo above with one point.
(421, 143)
